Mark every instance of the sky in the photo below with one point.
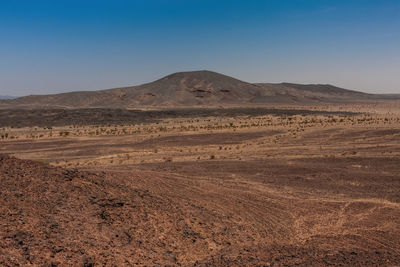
(59, 46)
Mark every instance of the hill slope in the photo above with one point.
(197, 88)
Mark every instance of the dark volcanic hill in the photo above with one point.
(197, 88)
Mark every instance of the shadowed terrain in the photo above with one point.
(97, 116)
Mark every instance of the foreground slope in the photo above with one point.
(197, 88)
(51, 216)
(174, 216)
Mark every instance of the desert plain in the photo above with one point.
(255, 186)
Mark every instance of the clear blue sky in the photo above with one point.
(57, 46)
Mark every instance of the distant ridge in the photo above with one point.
(198, 88)
(7, 97)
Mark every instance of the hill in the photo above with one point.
(197, 88)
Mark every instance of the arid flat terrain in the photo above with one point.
(307, 186)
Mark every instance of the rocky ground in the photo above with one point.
(61, 217)
(239, 189)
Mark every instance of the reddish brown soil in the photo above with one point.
(284, 213)
(236, 190)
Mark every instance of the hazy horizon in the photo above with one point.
(52, 47)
